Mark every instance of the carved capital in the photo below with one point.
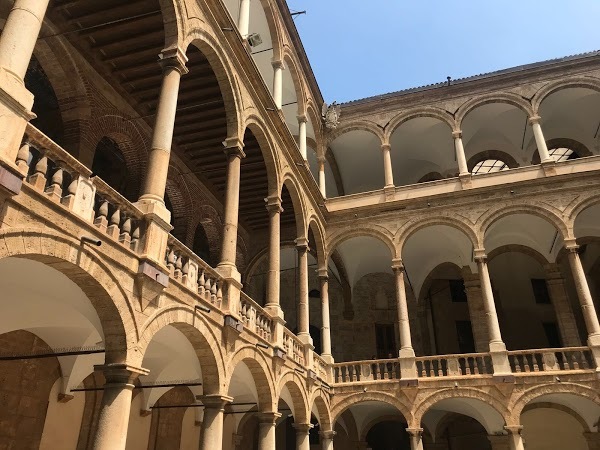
(273, 204)
(457, 134)
(534, 119)
(173, 58)
(479, 255)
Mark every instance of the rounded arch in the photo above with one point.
(488, 219)
(314, 116)
(258, 365)
(172, 21)
(84, 267)
(371, 424)
(413, 227)
(314, 226)
(363, 125)
(339, 408)
(290, 183)
(376, 232)
(222, 68)
(434, 113)
(573, 211)
(295, 385)
(201, 336)
(572, 82)
(497, 410)
(518, 403)
(319, 399)
(503, 97)
(541, 259)
(492, 154)
(274, 30)
(267, 148)
(559, 407)
(291, 64)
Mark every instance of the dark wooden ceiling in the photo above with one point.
(122, 40)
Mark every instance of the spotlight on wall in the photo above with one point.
(557, 380)
(90, 240)
(202, 308)
(226, 29)
(261, 345)
(254, 40)
(271, 109)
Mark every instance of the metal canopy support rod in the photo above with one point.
(143, 386)
(58, 352)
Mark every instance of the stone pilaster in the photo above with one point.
(562, 306)
(476, 310)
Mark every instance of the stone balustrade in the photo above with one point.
(193, 272)
(51, 170)
(255, 318)
(551, 360)
(320, 367)
(454, 365)
(293, 347)
(370, 370)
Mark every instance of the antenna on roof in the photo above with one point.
(297, 13)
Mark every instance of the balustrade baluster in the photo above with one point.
(178, 265)
(171, 260)
(219, 293)
(114, 222)
(201, 282)
(54, 190)
(135, 237)
(101, 220)
(125, 236)
(69, 199)
(185, 270)
(207, 287)
(38, 179)
(23, 158)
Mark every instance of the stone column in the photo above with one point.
(327, 440)
(116, 404)
(326, 328)
(593, 440)
(303, 311)
(302, 430)
(266, 430)
(302, 121)
(562, 306)
(534, 121)
(408, 368)
(278, 83)
(211, 436)
(17, 42)
(387, 165)
(497, 346)
(273, 279)
(515, 438)
(322, 185)
(476, 310)
(153, 190)
(244, 18)
(416, 441)
(585, 297)
(234, 155)
(461, 159)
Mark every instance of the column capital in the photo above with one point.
(214, 401)
(397, 265)
(321, 159)
(514, 429)
(534, 119)
(327, 434)
(277, 64)
(571, 245)
(273, 204)
(234, 147)
(479, 255)
(173, 58)
(303, 427)
(268, 417)
(121, 373)
(302, 244)
(457, 134)
(302, 118)
(386, 147)
(323, 274)
(415, 431)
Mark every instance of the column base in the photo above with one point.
(594, 345)
(154, 245)
(466, 180)
(548, 166)
(408, 366)
(501, 365)
(305, 339)
(390, 192)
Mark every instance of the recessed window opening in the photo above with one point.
(489, 166)
(562, 154)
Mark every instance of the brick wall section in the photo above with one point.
(24, 389)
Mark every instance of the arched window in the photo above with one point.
(562, 153)
(109, 164)
(489, 166)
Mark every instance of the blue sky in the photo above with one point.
(360, 48)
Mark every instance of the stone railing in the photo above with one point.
(551, 360)
(193, 272)
(319, 366)
(53, 171)
(255, 318)
(370, 370)
(293, 347)
(467, 364)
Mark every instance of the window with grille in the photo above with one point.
(489, 166)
